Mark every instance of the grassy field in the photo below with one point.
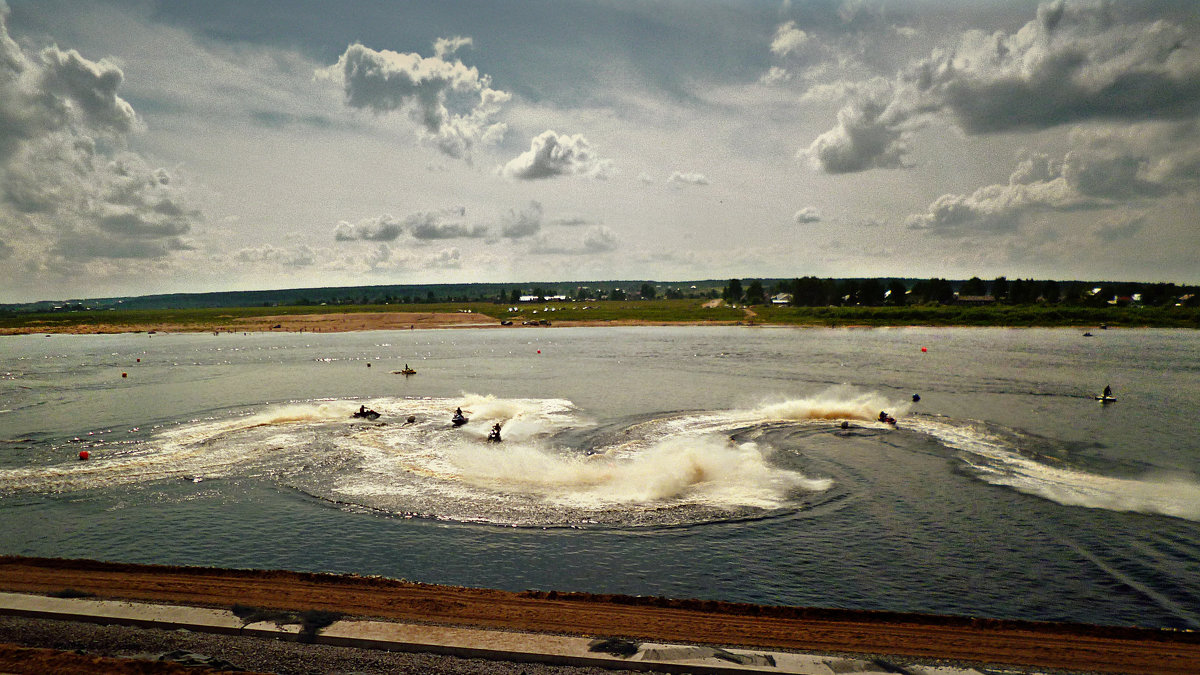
(993, 315)
(653, 311)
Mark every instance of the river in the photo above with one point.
(733, 463)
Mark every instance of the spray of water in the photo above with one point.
(835, 403)
(673, 459)
(994, 455)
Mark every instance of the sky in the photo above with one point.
(159, 147)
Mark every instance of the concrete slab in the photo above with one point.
(467, 642)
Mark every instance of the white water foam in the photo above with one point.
(836, 403)
(704, 470)
(668, 461)
(994, 458)
(677, 460)
(197, 450)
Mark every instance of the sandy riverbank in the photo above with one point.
(318, 323)
(282, 323)
(1066, 646)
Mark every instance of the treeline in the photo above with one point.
(808, 291)
(815, 292)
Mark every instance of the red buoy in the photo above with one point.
(924, 349)
(124, 374)
(83, 454)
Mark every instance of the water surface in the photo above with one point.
(685, 462)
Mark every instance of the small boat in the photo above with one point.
(406, 371)
(1106, 399)
(1088, 334)
(366, 414)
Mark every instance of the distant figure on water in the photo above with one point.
(916, 397)
(458, 418)
(494, 436)
(1107, 391)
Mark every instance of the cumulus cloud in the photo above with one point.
(868, 135)
(1124, 227)
(56, 91)
(444, 47)
(379, 228)
(451, 104)
(600, 239)
(66, 190)
(807, 214)
(574, 221)
(775, 75)
(299, 256)
(450, 258)
(445, 224)
(1075, 62)
(522, 223)
(597, 239)
(422, 225)
(1104, 167)
(788, 38)
(552, 154)
(686, 178)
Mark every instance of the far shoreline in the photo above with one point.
(342, 319)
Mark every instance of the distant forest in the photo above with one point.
(805, 292)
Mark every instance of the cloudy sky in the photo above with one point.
(153, 147)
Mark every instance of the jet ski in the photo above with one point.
(458, 420)
(366, 413)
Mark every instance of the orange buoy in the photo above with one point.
(83, 454)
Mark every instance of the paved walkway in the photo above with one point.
(469, 642)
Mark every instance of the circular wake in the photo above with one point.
(553, 468)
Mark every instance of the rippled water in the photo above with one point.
(689, 462)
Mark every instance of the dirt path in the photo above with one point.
(1067, 646)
